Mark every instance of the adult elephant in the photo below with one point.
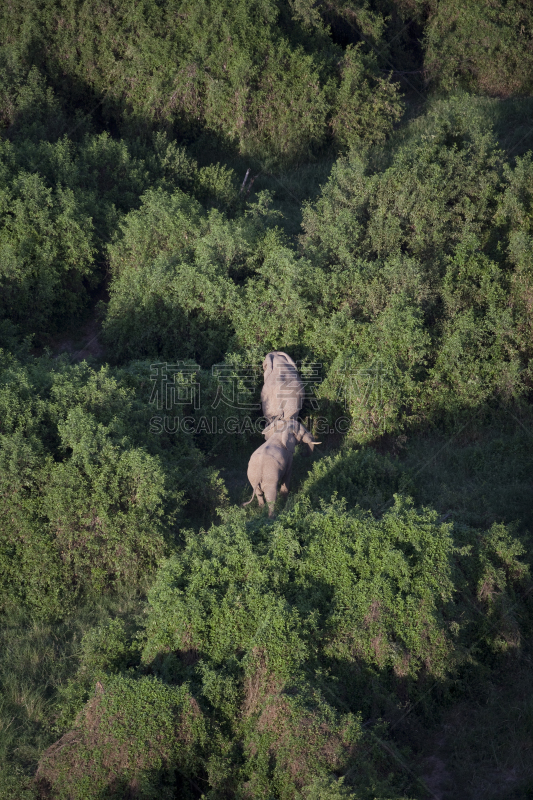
(271, 464)
(282, 395)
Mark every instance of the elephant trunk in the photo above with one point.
(308, 439)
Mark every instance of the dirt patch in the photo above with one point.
(483, 749)
(82, 344)
(259, 684)
(437, 778)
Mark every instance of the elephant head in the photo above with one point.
(292, 432)
(276, 358)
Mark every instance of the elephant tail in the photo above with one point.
(253, 495)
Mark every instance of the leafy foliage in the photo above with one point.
(46, 249)
(171, 291)
(396, 242)
(130, 752)
(361, 477)
(61, 202)
(485, 47)
(279, 630)
(313, 655)
(89, 496)
(363, 105)
(271, 91)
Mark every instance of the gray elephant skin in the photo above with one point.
(271, 463)
(283, 391)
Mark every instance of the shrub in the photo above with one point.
(29, 106)
(361, 477)
(133, 736)
(271, 92)
(443, 180)
(425, 317)
(288, 634)
(89, 496)
(274, 310)
(177, 276)
(484, 47)
(367, 105)
(171, 293)
(46, 249)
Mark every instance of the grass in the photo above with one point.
(483, 747)
(36, 660)
(479, 475)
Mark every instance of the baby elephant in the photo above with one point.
(272, 462)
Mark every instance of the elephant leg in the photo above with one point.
(270, 493)
(260, 497)
(286, 480)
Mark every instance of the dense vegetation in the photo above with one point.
(194, 184)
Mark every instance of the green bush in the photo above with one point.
(29, 106)
(367, 104)
(246, 615)
(361, 477)
(400, 290)
(172, 291)
(89, 494)
(61, 203)
(424, 297)
(135, 735)
(273, 310)
(46, 249)
(288, 634)
(482, 46)
(177, 281)
(272, 93)
(442, 181)
(316, 588)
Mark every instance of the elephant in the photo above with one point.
(283, 391)
(271, 463)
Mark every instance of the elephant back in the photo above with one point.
(283, 391)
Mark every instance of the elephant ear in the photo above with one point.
(288, 360)
(268, 364)
(285, 436)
